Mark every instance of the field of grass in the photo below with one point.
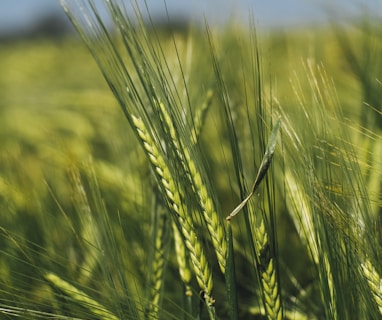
(118, 198)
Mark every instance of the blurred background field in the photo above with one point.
(57, 109)
(65, 145)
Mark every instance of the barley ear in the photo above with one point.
(182, 259)
(157, 265)
(89, 229)
(80, 297)
(200, 116)
(172, 195)
(206, 203)
(268, 274)
(211, 217)
(374, 282)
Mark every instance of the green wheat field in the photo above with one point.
(193, 173)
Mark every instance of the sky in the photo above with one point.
(19, 15)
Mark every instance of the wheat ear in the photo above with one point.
(172, 194)
(80, 297)
(211, 217)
